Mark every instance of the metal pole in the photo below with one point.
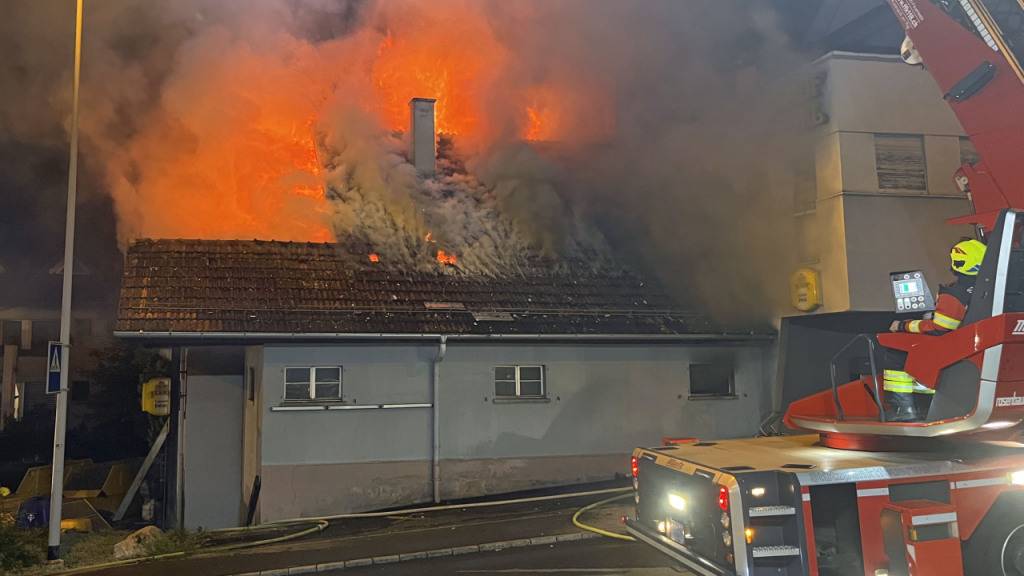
(60, 426)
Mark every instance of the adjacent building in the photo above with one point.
(881, 185)
(344, 383)
(29, 320)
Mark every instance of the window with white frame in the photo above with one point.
(519, 382)
(312, 383)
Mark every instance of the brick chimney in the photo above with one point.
(422, 137)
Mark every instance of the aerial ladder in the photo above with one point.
(854, 494)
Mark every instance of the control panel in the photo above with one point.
(911, 292)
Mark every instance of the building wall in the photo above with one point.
(602, 401)
(858, 233)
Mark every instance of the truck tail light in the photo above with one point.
(634, 467)
(723, 498)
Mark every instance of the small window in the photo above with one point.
(519, 382)
(900, 162)
(251, 384)
(712, 380)
(968, 153)
(312, 383)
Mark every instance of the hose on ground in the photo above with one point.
(324, 521)
(388, 513)
(320, 526)
(582, 526)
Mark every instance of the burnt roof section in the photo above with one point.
(199, 287)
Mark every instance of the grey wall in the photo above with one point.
(603, 400)
(392, 374)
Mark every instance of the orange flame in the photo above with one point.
(450, 59)
(232, 150)
(374, 258)
(446, 258)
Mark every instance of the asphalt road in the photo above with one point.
(601, 557)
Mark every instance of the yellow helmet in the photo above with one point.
(967, 256)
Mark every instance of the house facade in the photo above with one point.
(343, 385)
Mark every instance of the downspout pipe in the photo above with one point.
(435, 478)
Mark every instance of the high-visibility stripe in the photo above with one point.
(914, 326)
(947, 322)
(897, 376)
(898, 388)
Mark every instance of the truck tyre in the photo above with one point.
(997, 547)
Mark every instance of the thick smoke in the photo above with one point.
(664, 129)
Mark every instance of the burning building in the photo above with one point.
(347, 384)
(289, 121)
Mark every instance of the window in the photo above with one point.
(312, 383)
(250, 385)
(900, 162)
(711, 380)
(968, 153)
(519, 382)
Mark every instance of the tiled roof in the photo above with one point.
(175, 287)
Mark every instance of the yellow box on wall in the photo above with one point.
(805, 290)
(156, 396)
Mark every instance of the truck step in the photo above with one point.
(771, 511)
(775, 551)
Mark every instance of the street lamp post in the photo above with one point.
(60, 426)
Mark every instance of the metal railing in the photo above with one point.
(876, 393)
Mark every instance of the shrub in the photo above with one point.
(18, 549)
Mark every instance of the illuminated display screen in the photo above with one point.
(909, 288)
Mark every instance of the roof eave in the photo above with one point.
(304, 337)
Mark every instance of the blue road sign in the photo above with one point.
(53, 352)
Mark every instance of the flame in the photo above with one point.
(374, 258)
(560, 111)
(232, 148)
(449, 57)
(446, 258)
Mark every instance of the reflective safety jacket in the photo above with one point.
(950, 309)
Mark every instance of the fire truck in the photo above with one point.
(851, 493)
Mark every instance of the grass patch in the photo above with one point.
(93, 548)
(23, 552)
(176, 541)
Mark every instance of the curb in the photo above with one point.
(425, 555)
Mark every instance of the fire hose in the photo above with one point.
(589, 528)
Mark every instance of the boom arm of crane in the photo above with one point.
(973, 49)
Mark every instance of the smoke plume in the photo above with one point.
(661, 131)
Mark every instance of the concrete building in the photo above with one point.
(29, 319)
(874, 200)
(882, 185)
(344, 385)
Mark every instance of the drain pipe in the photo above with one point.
(442, 349)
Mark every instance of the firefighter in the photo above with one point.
(950, 309)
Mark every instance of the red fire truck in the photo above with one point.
(854, 494)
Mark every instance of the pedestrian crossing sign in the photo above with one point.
(53, 360)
